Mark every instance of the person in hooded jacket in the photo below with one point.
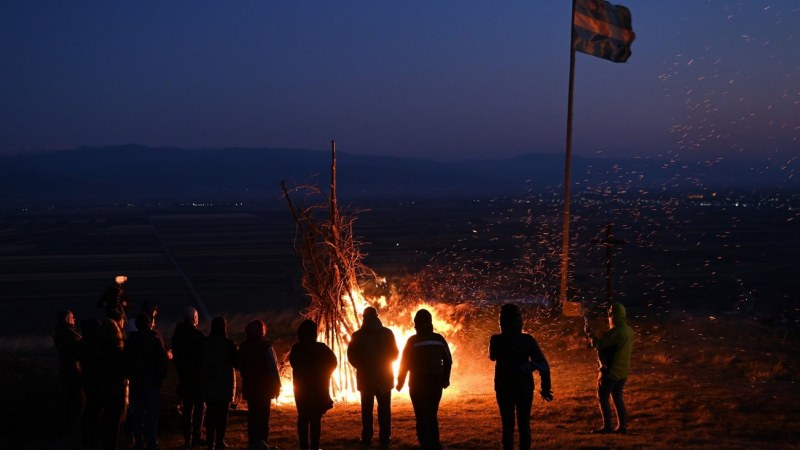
(219, 362)
(312, 364)
(427, 357)
(261, 382)
(68, 343)
(187, 351)
(614, 350)
(517, 356)
(371, 351)
(146, 363)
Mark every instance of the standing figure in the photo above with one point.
(372, 350)
(614, 357)
(68, 344)
(219, 362)
(427, 356)
(146, 361)
(313, 364)
(104, 383)
(150, 308)
(115, 300)
(517, 356)
(261, 382)
(187, 354)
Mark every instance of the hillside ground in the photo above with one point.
(698, 381)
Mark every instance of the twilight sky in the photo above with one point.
(436, 79)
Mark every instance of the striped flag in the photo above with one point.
(602, 29)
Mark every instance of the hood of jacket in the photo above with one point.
(618, 315)
(371, 323)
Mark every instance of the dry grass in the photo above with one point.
(696, 383)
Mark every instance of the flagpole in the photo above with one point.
(565, 307)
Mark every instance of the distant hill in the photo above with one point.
(138, 173)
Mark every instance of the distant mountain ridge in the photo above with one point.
(139, 173)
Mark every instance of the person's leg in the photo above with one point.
(71, 409)
(152, 406)
(197, 414)
(436, 398)
(267, 407)
(523, 402)
(222, 425)
(315, 430)
(385, 417)
(426, 408)
(252, 424)
(212, 413)
(603, 392)
(257, 422)
(367, 404)
(418, 404)
(90, 419)
(135, 416)
(619, 405)
(113, 409)
(78, 403)
(303, 422)
(187, 412)
(505, 402)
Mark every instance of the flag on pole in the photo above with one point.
(603, 30)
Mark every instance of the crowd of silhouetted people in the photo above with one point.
(111, 379)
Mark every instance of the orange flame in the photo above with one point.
(400, 321)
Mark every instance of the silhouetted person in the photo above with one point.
(219, 362)
(68, 343)
(312, 365)
(90, 331)
(614, 356)
(187, 354)
(372, 350)
(261, 382)
(146, 362)
(427, 357)
(104, 383)
(115, 300)
(517, 356)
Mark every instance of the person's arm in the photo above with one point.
(590, 334)
(539, 364)
(272, 363)
(331, 362)
(275, 376)
(393, 350)
(234, 354)
(354, 351)
(447, 364)
(493, 348)
(403, 371)
(161, 357)
(611, 339)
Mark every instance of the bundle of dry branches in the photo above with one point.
(332, 267)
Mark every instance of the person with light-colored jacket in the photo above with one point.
(614, 350)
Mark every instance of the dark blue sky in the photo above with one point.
(443, 80)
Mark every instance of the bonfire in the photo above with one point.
(335, 278)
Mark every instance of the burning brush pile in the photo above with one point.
(337, 281)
